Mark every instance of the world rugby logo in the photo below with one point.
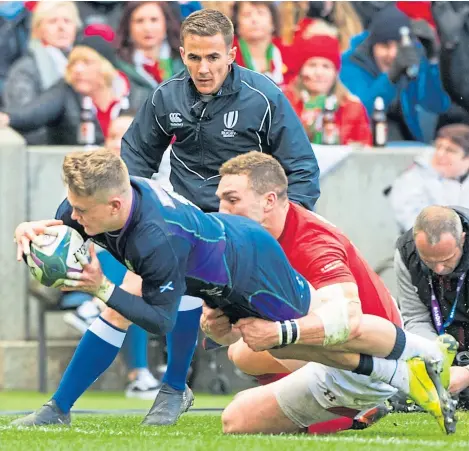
(230, 119)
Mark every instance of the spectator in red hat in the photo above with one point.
(317, 63)
(148, 47)
(257, 31)
(90, 72)
(54, 27)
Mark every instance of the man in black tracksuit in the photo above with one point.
(432, 264)
(247, 112)
(212, 111)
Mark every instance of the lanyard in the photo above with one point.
(436, 311)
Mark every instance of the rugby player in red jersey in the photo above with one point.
(353, 313)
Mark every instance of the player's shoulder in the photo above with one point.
(313, 228)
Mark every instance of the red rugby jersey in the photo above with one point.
(325, 256)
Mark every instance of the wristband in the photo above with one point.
(288, 332)
(280, 336)
(295, 331)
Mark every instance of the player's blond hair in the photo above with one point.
(94, 173)
(207, 23)
(264, 172)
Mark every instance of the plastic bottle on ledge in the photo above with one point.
(330, 130)
(87, 129)
(379, 123)
(413, 70)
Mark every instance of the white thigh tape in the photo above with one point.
(335, 319)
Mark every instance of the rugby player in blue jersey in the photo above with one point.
(229, 261)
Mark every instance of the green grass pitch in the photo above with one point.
(202, 432)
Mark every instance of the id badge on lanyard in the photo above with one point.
(440, 326)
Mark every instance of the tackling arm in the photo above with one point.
(334, 318)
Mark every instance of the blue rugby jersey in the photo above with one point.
(229, 261)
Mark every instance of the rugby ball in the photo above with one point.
(51, 257)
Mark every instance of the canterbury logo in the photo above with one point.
(175, 117)
(230, 119)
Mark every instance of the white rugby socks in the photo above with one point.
(392, 372)
(417, 346)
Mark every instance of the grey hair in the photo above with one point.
(437, 220)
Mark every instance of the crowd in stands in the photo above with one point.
(346, 53)
(333, 60)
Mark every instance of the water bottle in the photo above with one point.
(379, 123)
(87, 129)
(330, 130)
(413, 70)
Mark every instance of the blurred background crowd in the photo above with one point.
(355, 72)
(370, 73)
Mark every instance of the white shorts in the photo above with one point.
(317, 393)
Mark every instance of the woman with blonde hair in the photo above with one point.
(89, 73)
(316, 63)
(54, 27)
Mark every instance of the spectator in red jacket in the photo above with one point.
(316, 62)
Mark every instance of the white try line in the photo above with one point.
(338, 438)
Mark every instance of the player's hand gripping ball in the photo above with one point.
(52, 257)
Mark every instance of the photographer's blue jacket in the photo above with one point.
(362, 77)
(249, 113)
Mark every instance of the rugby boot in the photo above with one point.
(400, 403)
(49, 414)
(367, 418)
(426, 390)
(449, 349)
(169, 405)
